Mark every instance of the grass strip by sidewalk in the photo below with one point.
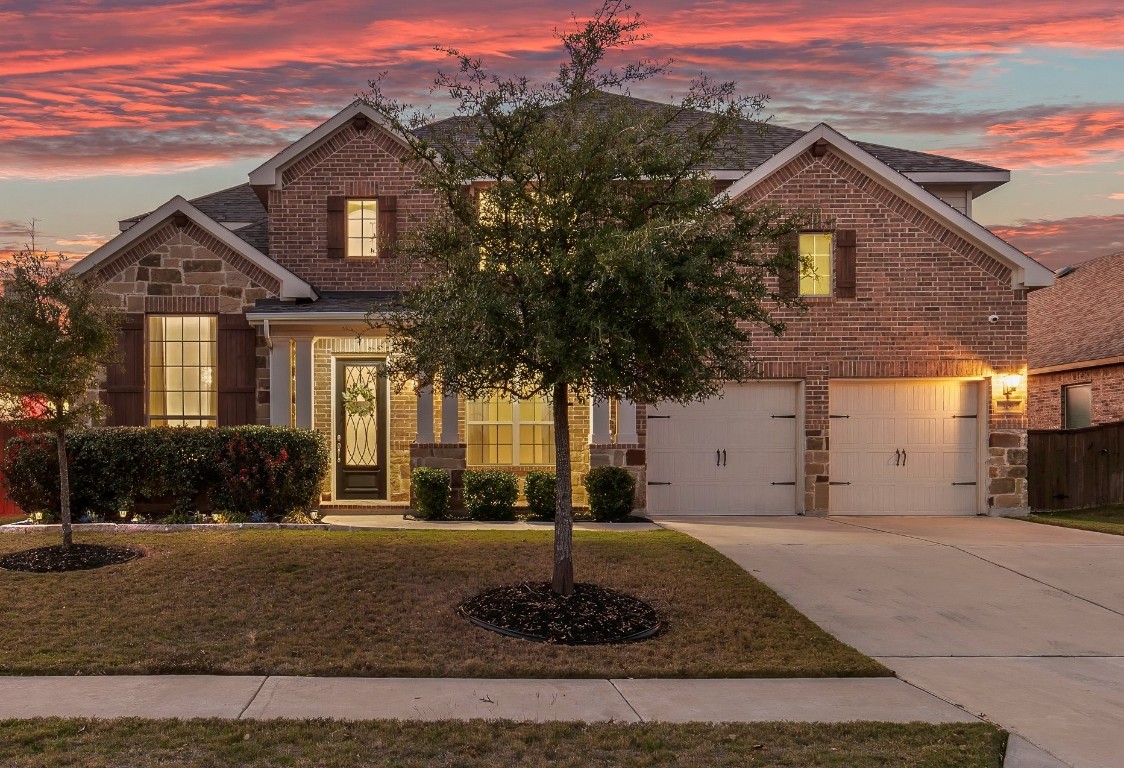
(483, 744)
(1107, 519)
(382, 604)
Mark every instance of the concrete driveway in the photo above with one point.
(1018, 622)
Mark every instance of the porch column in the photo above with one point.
(626, 422)
(280, 383)
(303, 392)
(425, 415)
(450, 418)
(599, 435)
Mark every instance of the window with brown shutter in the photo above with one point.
(237, 371)
(337, 226)
(387, 225)
(124, 383)
(789, 277)
(845, 243)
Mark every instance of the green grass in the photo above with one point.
(483, 744)
(382, 604)
(1107, 519)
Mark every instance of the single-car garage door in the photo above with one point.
(904, 447)
(734, 455)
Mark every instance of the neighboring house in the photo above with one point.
(883, 398)
(1075, 347)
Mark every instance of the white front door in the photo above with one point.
(734, 455)
(904, 447)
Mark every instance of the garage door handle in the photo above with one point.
(723, 457)
(717, 458)
(904, 455)
(898, 457)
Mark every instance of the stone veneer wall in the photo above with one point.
(403, 412)
(186, 270)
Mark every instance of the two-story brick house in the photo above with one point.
(893, 393)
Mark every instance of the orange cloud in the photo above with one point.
(1059, 242)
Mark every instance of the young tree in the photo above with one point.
(55, 331)
(582, 251)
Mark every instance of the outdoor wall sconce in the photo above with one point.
(1010, 382)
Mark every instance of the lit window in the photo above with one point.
(507, 432)
(362, 228)
(815, 264)
(1077, 406)
(182, 385)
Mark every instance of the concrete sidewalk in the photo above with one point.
(628, 701)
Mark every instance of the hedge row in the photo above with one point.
(491, 494)
(248, 472)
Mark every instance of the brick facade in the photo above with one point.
(1107, 384)
(354, 164)
(921, 310)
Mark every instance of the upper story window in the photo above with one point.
(502, 431)
(1077, 406)
(815, 264)
(362, 228)
(182, 385)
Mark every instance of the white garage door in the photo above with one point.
(734, 455)
(904, 447)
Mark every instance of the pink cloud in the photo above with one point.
(1060, 242)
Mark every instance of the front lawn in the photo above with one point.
(381, 604)
(484, 744)
(1107, 519)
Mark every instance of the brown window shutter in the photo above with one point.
(337, 226)
(845, 240)
(387, 224)
(237, 374)
(789, 276)
(124, 379)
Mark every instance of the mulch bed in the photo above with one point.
(591, 615)
(80, 557)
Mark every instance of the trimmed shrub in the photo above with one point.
(540, 489)
(490, 494)
(431, 488)
(240, 472)
(611, 490)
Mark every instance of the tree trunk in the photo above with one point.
(64, 491)
(564, 496)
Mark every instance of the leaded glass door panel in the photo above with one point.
(361, 429)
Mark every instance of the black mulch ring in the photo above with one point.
(80, 557)
(592, 615)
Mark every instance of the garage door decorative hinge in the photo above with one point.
(653, 482)
(789, 483)
(971, 483)
(838, 482)
(784, 416)
(972, 416)
(836, 416)
(654, 416)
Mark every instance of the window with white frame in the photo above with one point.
(815, 264)
(502, 431)
(182, 385)
(362, 228)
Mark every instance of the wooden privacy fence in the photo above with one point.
(1070, 468)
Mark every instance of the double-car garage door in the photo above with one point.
(896, 447)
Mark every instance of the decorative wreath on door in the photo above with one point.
(359, 399)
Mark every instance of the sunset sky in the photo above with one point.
(107, 109)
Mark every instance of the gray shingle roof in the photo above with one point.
(1078, 318)
(742, 151)
(357, 302)
(238, 204)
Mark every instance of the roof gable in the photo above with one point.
(268, 174)
(1025, 271)
(292, 287)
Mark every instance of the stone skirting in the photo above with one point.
(1007, 473)
(631, 457)
(448, 456)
